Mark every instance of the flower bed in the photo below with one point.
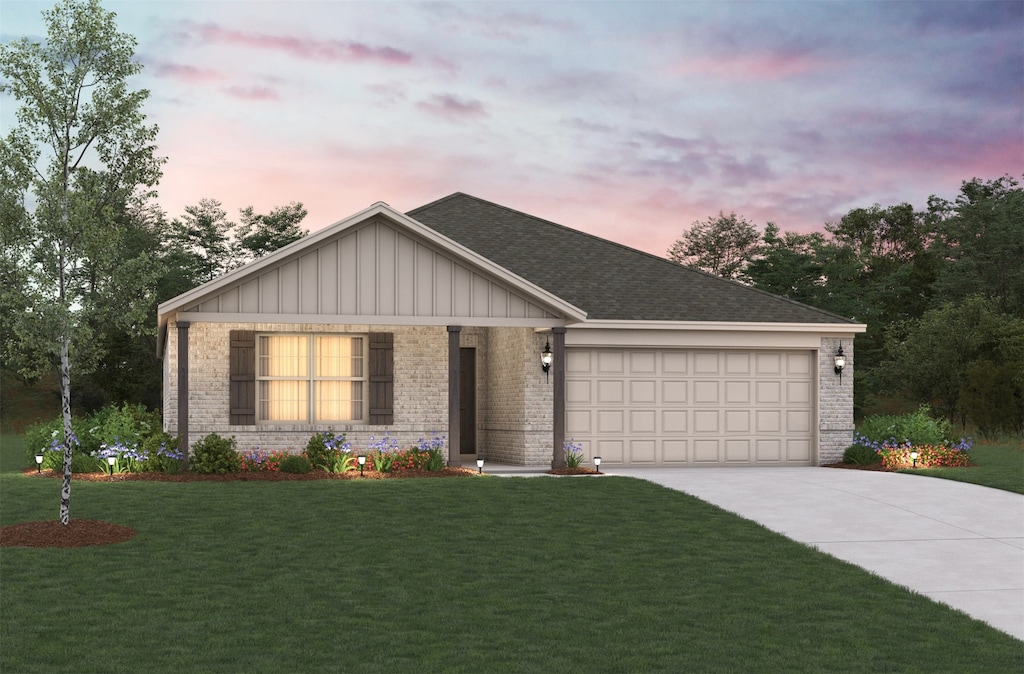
(928, 456)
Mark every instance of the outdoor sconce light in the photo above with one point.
(545, 358)
(840, 359)
(39, 462)
(913, 457)
(597, 463)
(111, 460)
(480, 466)
(362, 462)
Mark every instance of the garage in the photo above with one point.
(692, 407)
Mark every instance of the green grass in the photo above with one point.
(1000, 466)
(458, 575)
(12, 453)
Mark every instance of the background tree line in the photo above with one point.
(941, 291)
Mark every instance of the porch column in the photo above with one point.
(558, 396)
(183, 388)
(454, 415)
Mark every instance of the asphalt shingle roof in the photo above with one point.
(607, 280)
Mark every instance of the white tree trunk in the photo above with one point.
(65, 408)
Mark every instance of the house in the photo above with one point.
(435, 321)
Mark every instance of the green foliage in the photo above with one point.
(992, 396)
(162, 450)
(920, 428)
(861, 455)
(325, 451)
(129, 424)
(215, 455)
(719, 246)
(296, 463)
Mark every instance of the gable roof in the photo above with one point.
(607, 280)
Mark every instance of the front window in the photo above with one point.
(311, 378)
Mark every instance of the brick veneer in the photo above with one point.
(835, 401)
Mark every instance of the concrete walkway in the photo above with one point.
(956, 543)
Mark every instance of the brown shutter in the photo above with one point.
(243, 378)
(382, 378)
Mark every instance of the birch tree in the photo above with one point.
(79, 154)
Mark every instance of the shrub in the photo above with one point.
(296, 463)
(329, 452)
(861, 455)
(215, 455)
(919, 428)
(260, 461)
(127, 425)
(163, 453)
(928, 456)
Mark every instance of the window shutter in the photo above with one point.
(243, 378)
(382, 378)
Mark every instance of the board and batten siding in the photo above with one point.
(373, 270)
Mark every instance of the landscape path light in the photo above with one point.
(39, 462)
(913, 457)
(111, 460)
(597, 463)
(480, 465)
(362, 462)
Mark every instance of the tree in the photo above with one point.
(980, 238)
(259, 234)
(720, 246)
(788, 265)
(79, 155)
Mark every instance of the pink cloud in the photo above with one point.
(744, 68)
(452, 107)
(254, 93)
(186, 73)
(302, 48)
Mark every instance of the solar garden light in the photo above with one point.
(913, 457)
(480, 465)
(597, 463)
(39, 462)
(545, 358)
(111, 460)
(840, 362)
(362, 462)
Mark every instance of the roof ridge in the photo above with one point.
(632, 250)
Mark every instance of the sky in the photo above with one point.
(627, 120)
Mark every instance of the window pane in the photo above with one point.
(284, 356)
(283, 400)
(339, 356)
(339, 400)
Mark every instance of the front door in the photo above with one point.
(467, 400)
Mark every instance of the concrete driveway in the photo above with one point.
(957, 543)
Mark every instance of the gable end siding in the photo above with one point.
(242, 392)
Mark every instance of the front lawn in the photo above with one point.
(461, 575)
(1000, 466)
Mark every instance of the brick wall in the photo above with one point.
(835, 401)
(421, 386)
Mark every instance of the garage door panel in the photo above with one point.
(768, 450)
(577, 392)
(642, 451)
(706, 451)
(674, 451)
(737, 451)
(610, 421)
(692, 406)
(705, 392)
(673, 421)
(737, 393)
(705, 421)
(643, 392)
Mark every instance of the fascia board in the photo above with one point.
(830, 328)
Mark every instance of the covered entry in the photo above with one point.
(675, 407)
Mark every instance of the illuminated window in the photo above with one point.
(311, 377)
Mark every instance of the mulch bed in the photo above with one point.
(80, 533)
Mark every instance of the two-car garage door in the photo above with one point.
(650, 407)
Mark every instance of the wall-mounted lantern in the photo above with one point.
(840, 362)
(545, 358)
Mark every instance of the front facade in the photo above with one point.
(434, 322)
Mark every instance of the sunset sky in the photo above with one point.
(628, 120)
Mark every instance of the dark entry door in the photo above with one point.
(467, 400)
